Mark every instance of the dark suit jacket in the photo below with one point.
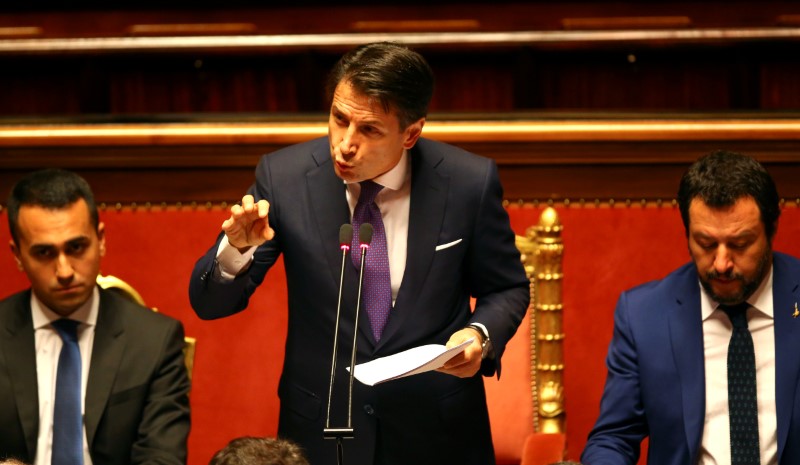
(427, 418)
(656, 375)
(137, 406)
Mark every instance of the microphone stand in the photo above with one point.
(365, 237)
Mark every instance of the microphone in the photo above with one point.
(345, 237)
(364, 239)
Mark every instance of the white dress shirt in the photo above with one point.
(48, 348)
(717, 329)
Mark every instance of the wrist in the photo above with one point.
(484, 339)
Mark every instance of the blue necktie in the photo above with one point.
(67, 421)
(377, 290)
(742, 404)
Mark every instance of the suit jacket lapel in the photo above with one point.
(686, 336)
(109, 345)
(428, 202)
(787, 344)
(20, 348)
(326, 193)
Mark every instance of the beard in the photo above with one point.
(748, 286)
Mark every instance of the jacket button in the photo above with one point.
(369, 410)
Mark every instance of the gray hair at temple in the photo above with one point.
(396, 76)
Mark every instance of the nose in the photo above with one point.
(64, 271)
(349, 144)
(722, 261)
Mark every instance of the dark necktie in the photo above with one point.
(742, 405)
(67, 421)
(377, 292)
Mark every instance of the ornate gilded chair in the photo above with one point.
(542, 250)
(124, 289)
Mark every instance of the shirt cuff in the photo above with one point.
(485, 331)
(231, 262)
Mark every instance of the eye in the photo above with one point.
(43, 253)
(372, 131)
(706, 245)
(76, 248)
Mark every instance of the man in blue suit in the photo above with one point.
(669, 371)
(447, 238)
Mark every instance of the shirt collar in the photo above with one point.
(86, 313)
(761, 299)
(395, 178)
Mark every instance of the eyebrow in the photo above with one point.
(365, 122)
(746, 234)
(73, 241)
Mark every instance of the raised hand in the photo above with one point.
(248, 224)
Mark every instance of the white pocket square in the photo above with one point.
(449, 244)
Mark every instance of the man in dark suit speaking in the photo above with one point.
(441, 235)
(86, 377)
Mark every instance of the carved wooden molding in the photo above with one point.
(460, 40)
(488, 131)
(541, 252)
(577, 160)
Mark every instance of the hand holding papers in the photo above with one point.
(410, 362)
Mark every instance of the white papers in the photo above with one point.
(410, 362)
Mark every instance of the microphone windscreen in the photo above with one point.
(365, 233)
(345, 234)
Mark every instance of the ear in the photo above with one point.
(101, 237)
(15, 251)
(412, 133)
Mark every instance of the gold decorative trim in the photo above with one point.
(114, 283)
(545, 367)
(487, 131)
(418, 39)
(127, 291)
(515, 204)
(549, 308)
(541, 252)
(551, 337)
(20, 31)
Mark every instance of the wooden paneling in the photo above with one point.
(498, 57)
(580, 160)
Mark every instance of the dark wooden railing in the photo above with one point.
(557, 158)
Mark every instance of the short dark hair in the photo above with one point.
(249, 450)
(721, 178)
(50, 188)
(398, 77)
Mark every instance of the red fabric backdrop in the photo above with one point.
(238, 359)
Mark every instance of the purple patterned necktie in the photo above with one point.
(377, 291)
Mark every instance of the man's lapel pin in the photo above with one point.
(796, 312)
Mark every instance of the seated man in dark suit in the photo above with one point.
(705, 361)
(86, 377)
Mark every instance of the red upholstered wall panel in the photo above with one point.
(238, 359)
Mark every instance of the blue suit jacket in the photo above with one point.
(656, 380)
(428, 418)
